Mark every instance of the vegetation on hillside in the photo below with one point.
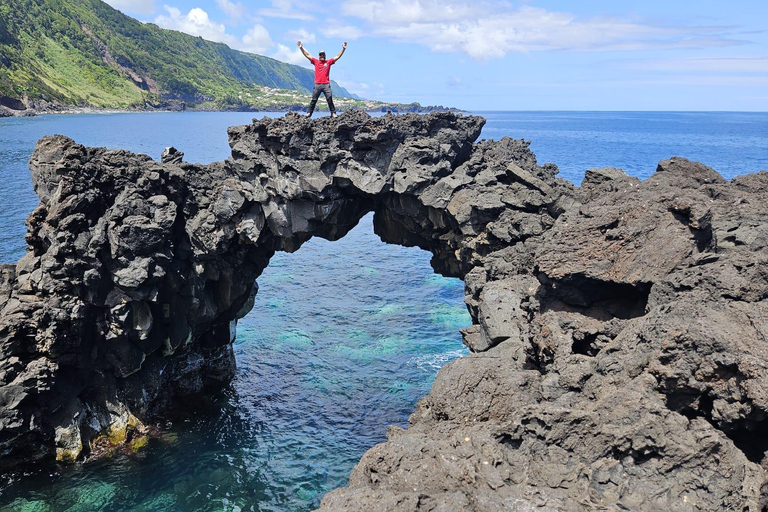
(85, 53)
(269, 99)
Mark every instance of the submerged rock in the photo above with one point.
(619, 348)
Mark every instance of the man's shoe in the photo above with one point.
(308, 115)
(334, 115)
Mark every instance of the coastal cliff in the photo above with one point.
(619, 339)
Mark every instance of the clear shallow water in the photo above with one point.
(342, 341)
(345, 336)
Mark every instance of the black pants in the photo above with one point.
(325, 89)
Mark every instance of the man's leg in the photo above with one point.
(315, 95)
(329, 98)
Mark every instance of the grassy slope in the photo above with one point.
(83, 52)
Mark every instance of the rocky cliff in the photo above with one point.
(619, 342)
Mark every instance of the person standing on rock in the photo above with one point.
(322, 77)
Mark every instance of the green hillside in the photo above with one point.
(85, 53)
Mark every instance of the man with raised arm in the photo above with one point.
(322, 78)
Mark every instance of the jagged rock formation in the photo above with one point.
(619, 347)
(627, 365)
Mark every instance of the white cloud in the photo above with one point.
(455, 81)
(726, 81)
(290, 55)
(256, 40)
(406, 11)
(197, 23)
(713, 80)
(140, 6)
(234, 11)
(300, 35)
(347, 32)
(286, 9)
(719, 65)
(681, 80)
(361, 88)
(491, 29)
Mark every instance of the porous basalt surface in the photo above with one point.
(619, 352)
(627, 367)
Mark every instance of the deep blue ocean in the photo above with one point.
(345, 336)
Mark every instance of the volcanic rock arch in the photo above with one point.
(137, 270)
(619, 339)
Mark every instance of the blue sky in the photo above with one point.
(506, 55)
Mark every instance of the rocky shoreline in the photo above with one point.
(45, 108)
(620, 339)
(52, 108)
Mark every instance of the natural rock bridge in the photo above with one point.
(620, 349)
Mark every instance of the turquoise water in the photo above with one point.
(345, 336)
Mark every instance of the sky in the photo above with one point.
(675, 55)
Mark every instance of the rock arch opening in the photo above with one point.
(343, 339)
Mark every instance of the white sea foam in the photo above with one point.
(433, 362)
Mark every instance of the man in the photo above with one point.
(322, 78)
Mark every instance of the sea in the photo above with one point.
(345, 337)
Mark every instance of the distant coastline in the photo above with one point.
(61, 109)
(286, 101)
